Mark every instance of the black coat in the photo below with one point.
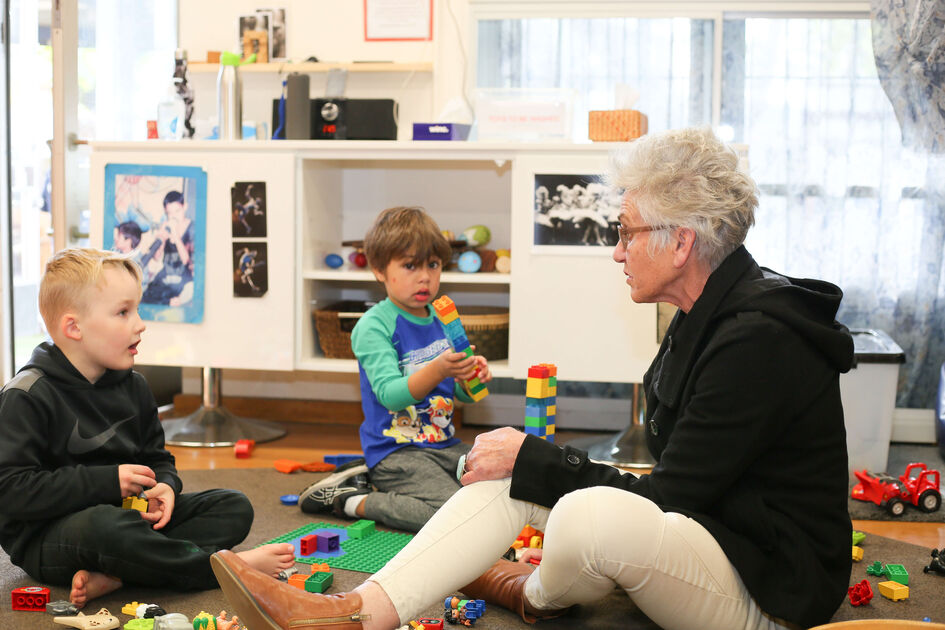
(745, 421)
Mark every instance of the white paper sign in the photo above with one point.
(398, 19)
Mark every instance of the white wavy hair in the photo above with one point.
(688, 178)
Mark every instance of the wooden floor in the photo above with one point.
(311, 442)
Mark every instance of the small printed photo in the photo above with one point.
(254, 36)
(575, 210)
(277, 49)
(248, 205)
(250, 276)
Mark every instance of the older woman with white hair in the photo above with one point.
(743, 521)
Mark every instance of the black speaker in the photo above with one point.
(349, 118)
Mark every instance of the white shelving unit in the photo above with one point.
(567, 306)
(285, 67)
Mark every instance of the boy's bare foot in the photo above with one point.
(271, 558)
(87, 585)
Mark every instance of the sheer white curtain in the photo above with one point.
(841, 200)
(667, 60)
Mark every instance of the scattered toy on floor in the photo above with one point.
(102, 620)
(917, 486)
(173, 621)
(937, 563)
(463, 611)
(29, 598)
(244, 448)
(893, 590)
(860, 594)
(61, 607)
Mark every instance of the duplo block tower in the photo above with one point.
(445, 310)
(541, 392)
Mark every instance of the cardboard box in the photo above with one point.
(616, 125)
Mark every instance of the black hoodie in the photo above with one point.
(62, 439)
(745, 421)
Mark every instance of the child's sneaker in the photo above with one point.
(320, 496)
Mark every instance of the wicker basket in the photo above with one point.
(616, 125)
(334, 324)
(486, 327)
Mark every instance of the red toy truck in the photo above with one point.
(918, 486)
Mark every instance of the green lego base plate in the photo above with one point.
(367, 555)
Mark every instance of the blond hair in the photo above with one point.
(402, 231)
(70, 274)
(688, 178)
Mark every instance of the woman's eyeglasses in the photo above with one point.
(626, 234)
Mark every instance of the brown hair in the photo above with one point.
(401, 231)
(70, 274)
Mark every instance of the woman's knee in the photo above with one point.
(606, 518)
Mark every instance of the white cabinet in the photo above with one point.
(568, 306)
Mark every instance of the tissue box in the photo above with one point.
(440, 131)
(615, 125)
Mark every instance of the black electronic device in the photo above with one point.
(349, 118)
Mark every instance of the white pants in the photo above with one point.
(596, 539)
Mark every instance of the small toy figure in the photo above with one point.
(937, 563)
(102, 620)
(463, 611)
(172, 621)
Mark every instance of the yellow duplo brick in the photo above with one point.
(448, 317)
(893, 590)
(857, 554)
(538, 388)
(482, 393)
(549, 429)
(552, 410)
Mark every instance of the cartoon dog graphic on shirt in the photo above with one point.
(405, 426)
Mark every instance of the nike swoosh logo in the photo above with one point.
(79, 445)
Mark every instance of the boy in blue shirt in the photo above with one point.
(410, 378)
(79, 432)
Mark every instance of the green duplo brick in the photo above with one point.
(319, 582)
(361, 529)
(535, 422)
(897, 573)
(552, 381)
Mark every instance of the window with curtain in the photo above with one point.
(667, 60)
(841, 199)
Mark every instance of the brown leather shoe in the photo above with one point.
(265, 603)
(503, 584)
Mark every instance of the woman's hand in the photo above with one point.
(493, 455)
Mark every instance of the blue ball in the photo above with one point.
(469, 262)
(334, 261)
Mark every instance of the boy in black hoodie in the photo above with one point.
(79, 432)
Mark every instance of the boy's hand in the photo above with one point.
(484, 374)
(456, 365)
(160, 505)
(134, 479)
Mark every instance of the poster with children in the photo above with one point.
(158, 215)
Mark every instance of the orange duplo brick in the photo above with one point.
(287, 465)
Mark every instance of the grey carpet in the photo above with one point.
(264, 487)
(901, 455)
